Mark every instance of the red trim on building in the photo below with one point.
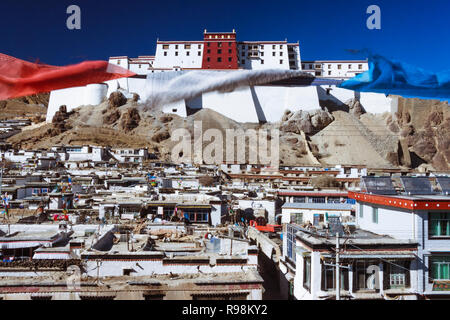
(399, 202)
(312, 194)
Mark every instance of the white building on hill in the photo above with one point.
(221, 52)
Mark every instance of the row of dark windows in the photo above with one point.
(199, 53)
(219, 51)
(219, 59)
(219, 44)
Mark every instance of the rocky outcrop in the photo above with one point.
(161, 136)
(309, 122)
(59, 124)
(112, 117)
(425, 127)
(130, 119)
(354, 107)
(116, 99)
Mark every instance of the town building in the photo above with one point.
(419, 212)
(336, 69)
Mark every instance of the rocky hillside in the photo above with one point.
(424, 130)
(33, 107)
(306, 137)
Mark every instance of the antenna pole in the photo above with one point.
(338, 271)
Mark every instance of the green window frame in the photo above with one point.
(374, 215)
(440, 267)
(439, 224)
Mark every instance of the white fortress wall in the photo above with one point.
(237, 105)
(274, 100)
(377, 102)
(302, 98)
(92, 94)
(343, 95)
(178, 108)
(137, 85)
(113, 85)
(247, 104)
(95, 93)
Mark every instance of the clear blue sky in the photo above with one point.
(415, 31)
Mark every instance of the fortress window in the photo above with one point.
(199, 53)
(187, 46)
(303, 66)
(229, 59)
(187, 53)
(199, 46)
(229, 43)
(165, 53)
(176, 46)
(219, 59)
(229, 50)
(165, 46)
(317, 66)
(273, 47)
(262, 54)
(273, 53)
(243, 53)
(360, 66)
(310, 66)
(281, 54)
(207, 59)
(208, 51)
(219, 44)
(329, 73)
(243, 61)
(329, 66)
(339, 66)
(118, 61)
(208, 44)
(349, 66)
(281, 61)
(219, 51)
(281, 46)
(176, 53)
(262, 61)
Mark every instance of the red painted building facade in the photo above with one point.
(220, 51)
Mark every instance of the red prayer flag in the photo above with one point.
(22, 78)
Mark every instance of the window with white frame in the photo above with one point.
(307, 273)
(396, 274)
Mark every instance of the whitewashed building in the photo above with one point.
(223, 53)
(336, 69)
(420, 217)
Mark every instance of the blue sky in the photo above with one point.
(414, 31)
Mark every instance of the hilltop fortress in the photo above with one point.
(247, 81)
